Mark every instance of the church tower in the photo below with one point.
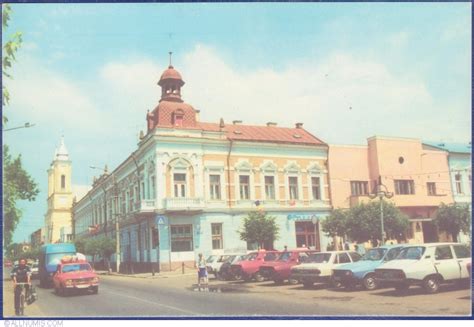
(58, 219)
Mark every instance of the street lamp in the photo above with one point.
(117, 224)
(26, 125)
(382, 192)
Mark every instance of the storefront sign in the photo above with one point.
(302, 216)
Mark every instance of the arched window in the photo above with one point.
(63, 182)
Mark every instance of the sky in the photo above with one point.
(348, 71)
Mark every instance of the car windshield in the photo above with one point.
(318, 258)
(285, 256)
(412, 253)
(55, 258)
(211, 258)
(251, 256)
(76, 267)
(374, 255)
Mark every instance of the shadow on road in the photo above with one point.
(413, 291)
(314, 287)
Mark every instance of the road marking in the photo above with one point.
(156, 303)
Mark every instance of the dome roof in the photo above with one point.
(170, 73)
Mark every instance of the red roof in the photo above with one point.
(252, 133)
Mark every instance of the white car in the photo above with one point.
(214, 266)
(318, 267)
(427, 265)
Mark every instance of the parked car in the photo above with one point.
(362, 272)
(427, 265)
(214, 266)
(225, 272)
(75, 275)
(318, 266)
(248, 268)
(34, 270)
(279, 270)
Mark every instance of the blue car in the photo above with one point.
(363, 271)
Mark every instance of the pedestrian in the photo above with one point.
(285, 248)
(20, 274)
(202, 273)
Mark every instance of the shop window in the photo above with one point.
(359, 188)
(431, 186)
(293, 187)
(217, 242)
(181, 238)
(316, 188)
(179, 181)
(306, 234)
(404, 186)
(270, 187)
(244, 186)
(215, 187)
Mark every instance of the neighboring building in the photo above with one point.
(36, 238)
(459, 158)
(189, 185)
(417, 175)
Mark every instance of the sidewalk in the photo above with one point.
(9, 307)
(162, 274)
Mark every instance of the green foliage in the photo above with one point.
(453, 219)
(259, 228)
(362, 223)
(102, 246)
(10, 49)
(80, 244)
(17, 185)
(32, 254)
(335, 224)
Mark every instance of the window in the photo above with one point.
(404, 186)
(443, 253)
(152, 188)
(293, 187)
(154, 237)
(244, 187)
(462, 251)
(181, 238)
(355, 256)
(178, 120)
(179, 181)
(63, 182)
(431, 186)
(359, 188)
(343, 258)
(316, 188)
(270, 256)
(306, 234)
(215, 187)
(270, 187)
(458, 180)
(217, 236)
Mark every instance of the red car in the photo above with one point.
(280, 269)
(75, 275)
(248, 269)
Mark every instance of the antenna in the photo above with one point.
(170, 66)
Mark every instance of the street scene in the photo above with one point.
(205, 170)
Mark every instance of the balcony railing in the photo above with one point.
(183, 204)
(147, 206)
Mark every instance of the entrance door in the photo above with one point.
(430, 233)
(307, 234)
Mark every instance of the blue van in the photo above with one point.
(50, 257)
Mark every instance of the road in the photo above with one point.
(176, 296)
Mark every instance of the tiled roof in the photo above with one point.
(253, 133)
(163, 113)
(451, 147)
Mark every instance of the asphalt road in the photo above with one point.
(119, 296)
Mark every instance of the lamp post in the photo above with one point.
(381, 192)
(116, 218)
(26, 125)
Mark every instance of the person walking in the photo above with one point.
(202, 273)
(20, 274)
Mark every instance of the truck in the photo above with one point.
(50, 257)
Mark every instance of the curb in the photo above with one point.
(144, 277)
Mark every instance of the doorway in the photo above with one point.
(430, 232)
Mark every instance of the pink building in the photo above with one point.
(418, 176)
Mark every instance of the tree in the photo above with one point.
(259, 228)
(9, 50)
(103, 247)
(363, 222)
(453, 219)
(335, 224)
(80, 244)
(17, 185)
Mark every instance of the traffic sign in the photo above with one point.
(161, 220)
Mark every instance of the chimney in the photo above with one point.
(299, 125)
(271, 124)
(197, 114)
(237, 122)
(221, 123)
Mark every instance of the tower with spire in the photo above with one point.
(58, 218)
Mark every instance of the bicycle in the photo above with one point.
(22, 298)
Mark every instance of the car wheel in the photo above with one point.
(369, 282)
(431, 284)
(259, 277)
(307, 284)
(293, 281)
